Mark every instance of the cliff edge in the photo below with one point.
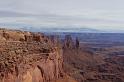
(30, 57)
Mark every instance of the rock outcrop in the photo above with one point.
(29, 57)
(70, 43)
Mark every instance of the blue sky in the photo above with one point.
(98, 14)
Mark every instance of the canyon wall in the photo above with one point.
(45, 70)
(29, 57)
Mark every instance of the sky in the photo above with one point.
(98, 14)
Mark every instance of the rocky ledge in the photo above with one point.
(29, 57)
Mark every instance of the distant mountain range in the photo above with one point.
(56, 29)
(62, 29)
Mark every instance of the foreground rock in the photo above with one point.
(29, 57)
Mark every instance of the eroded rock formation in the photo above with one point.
(71, 43)
(29, 57)
(68, 42)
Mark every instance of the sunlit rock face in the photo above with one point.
(29, 57)
(44, 70)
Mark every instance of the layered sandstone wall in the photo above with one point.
(29, 57)
(45, 70)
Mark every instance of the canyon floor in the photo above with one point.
(94, 61)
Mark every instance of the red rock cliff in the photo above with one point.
(29, 57)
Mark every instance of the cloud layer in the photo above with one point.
(100, 14)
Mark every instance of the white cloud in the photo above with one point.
(99, 14)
